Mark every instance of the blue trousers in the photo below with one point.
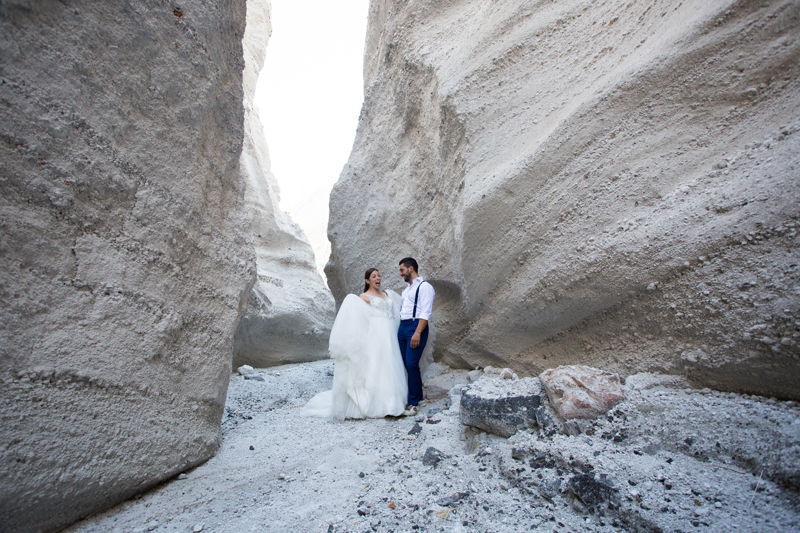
(411, 357)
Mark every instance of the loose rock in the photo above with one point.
(246, 370)
(432, 457)
(591, 491)
(579, 391)
(500, 406)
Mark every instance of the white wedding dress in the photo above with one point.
(369, 378)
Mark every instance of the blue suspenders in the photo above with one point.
(416, 297)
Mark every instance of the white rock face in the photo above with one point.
(289, 310)
(613, 184)
(124, 254)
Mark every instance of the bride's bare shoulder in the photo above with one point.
(364, 297)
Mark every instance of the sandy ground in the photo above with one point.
(672, 459)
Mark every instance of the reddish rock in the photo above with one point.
(579, 391)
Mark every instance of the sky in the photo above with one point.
(309, 96)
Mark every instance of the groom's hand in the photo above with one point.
(415, 340)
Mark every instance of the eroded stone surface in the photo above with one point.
(125, 258)
(612, 184)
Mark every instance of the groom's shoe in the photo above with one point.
(411, 410)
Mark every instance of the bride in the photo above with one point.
(369, 379)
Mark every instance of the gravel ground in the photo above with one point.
(667, 458)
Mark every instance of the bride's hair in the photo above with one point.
(367, 274)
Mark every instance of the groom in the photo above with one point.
(413, 332)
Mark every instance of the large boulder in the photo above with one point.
(289, 309)
(613, 183)
(504, 407)
(125, 260)
(580, 391)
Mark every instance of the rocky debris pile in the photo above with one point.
(631, 470)
(559, 399)
(622, 450)
(668, 457)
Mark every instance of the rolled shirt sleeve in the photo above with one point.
(425, 303)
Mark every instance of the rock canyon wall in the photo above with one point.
(125, 252)
(289, 310)
(609, 183)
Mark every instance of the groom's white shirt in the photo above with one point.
(424, 303)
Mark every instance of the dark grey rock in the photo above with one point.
(550, 488)
(519, 454)
(416, 429)
(591, 491)
(502, 416)
(254, 377)
(542, 460)
(545, 420)
(452, 499)
(433, 456)
(574, 427)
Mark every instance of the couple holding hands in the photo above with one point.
(377, 342)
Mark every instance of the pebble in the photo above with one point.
(197, 528)
(432, 456)
(507, 373)
(452, 499)
(246, 370)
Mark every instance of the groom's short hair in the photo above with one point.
(410, 262)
